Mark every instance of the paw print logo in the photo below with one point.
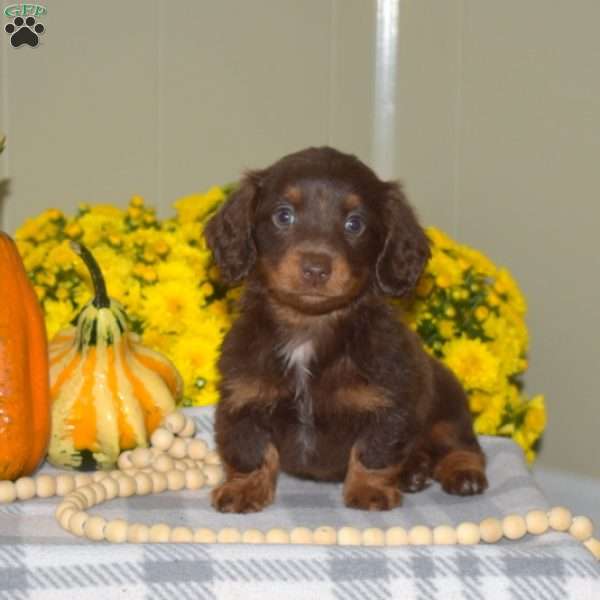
(24, 31)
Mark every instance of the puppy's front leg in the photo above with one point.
(251, 463)
(373, 477)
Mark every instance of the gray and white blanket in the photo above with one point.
(40, 560)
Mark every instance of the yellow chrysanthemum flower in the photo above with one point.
(473, 363)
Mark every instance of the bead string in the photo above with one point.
(176, 460)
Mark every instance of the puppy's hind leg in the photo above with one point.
(458, 461)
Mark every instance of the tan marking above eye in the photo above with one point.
(352, 202)
(293, 195)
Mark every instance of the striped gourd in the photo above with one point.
(108, 391)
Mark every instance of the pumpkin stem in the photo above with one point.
(101, 300)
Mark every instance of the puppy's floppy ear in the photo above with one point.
(229, 232)
(406, 248)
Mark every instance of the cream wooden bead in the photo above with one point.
(325, 536)
(8, 492)
(65, 517)
(189, 429)
(45, 486)
(514, 527)
(420, 535)
(175, 480)
(373, 536)
(560, 518)
(98, 476)
(115, 531)
(468, 533)
(444, 535)
(181, 535)
(77, 523)
(197, 449)
(143, 484)
(88, 493)
(593, 545)
(159, 533)
(204, 535)
(581, 528)
(348, 536)
(253, 536)
(126, 486)
(229, 535)
(396, 536)
(194, 479)
(537, 522)
(214, 475)
(141, 458)
(82, 479)
(99, 492)
(78, 500)
(111, 488)
(138, 533)
(64, 484)
(64, 505)
(162, 439)
(212, 458)
(174, 422)
(277, 536)
(491, 530)
(163, 463)
(124, 461)
(94, 528)
(25, 488)
(159, 482)
(178, 448)
(301, 535)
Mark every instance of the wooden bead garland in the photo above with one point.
(176, 461)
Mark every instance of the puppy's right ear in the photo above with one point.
(229, 232)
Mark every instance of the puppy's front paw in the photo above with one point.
(244, 494)
(368, 497)
(464, 482)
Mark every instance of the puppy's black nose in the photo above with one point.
(316, 268)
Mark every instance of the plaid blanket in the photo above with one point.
(39, 560)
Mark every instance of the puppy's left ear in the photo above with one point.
(406, 248)
(229, 232)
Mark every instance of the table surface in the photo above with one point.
(40, 560)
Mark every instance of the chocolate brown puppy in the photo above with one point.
(319, 378)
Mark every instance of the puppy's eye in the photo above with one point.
(284, 217)
(354, 225)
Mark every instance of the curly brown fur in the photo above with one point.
(319, 378)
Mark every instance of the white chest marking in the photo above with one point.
(297, 357)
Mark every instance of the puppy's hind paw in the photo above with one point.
(466, 482)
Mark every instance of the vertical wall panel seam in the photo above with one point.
(386, 83)
(458, 120)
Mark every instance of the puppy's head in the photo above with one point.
(317, 229)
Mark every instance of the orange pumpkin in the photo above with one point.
(24, 381)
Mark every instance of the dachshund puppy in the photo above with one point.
(319, 378)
